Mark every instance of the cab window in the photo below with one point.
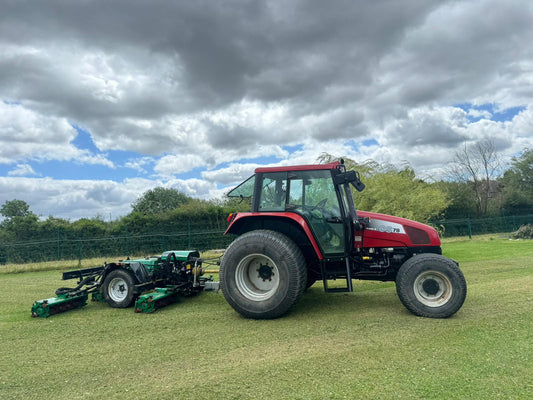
(273, 192)
(312, 190)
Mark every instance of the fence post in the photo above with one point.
(469, 228)
(79, 253)
(58, 244)
(127, 243)
(5, 255)
(188, 234)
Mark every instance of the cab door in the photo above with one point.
(312, 194)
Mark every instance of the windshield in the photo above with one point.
(245, 189)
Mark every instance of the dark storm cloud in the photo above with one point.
(443, 127)
(144, 76)
(225, 50)
(461, 51)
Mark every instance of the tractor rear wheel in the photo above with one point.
(118, 288)
(262, 274)
(430, 285)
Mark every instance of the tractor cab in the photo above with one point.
(320, 194)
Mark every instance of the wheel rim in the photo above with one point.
(257, 277)
(118, 289)
(433, 288)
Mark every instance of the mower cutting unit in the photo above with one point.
(151, 283)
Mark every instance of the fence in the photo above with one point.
(469, 227)
(61, 248)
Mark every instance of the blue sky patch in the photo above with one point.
(77, 171)
(477, 112)
(293, 148)
(84, 140)
(370, 142)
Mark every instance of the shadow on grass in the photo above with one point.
(381, 299)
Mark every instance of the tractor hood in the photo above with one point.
(388, 231)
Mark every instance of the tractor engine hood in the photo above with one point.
(388, 231)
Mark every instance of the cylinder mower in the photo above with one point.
(150, 283)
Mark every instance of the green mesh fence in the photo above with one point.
(65, 248)
(469, 227)
(59, 246)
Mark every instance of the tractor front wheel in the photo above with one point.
(430, 285)
(118, 288)
(262, 274)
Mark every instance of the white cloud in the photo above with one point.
(479, 113)
(70, 198)
(22, 170)
(235, 172)
(171, 165)
(74, 199)
(197, 188)
(26, 134)
(139, 164)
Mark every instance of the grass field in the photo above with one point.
(361, 345)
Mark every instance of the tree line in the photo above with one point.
(477, 186)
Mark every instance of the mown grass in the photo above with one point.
(63, 265)
(361, 345)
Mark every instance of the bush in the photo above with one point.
(524, 232)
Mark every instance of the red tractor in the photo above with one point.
(303, 227)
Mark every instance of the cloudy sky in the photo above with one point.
(103, 100)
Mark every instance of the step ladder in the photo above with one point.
(347, 276)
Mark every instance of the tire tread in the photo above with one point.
(405, 280)
(279, 244)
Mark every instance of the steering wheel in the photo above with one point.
(320, 204)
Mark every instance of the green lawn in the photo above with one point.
(361, 345)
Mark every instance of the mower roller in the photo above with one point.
(159, 298)
(151, 283)
(55, 305)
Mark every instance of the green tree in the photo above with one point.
(159, 200)
(400, 193)
(479, 166)
(517, 184)
(15, 208)
(88, 228)
(19, 222)
(395, 191)
(461, 199)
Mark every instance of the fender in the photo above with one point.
(236, 220)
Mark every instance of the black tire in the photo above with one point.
(119, 288)
(430, 285)
(262, 274)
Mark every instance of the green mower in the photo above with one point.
(150, 283)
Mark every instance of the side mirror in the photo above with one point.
(351, 177)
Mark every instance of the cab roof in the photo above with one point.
(288, 168)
